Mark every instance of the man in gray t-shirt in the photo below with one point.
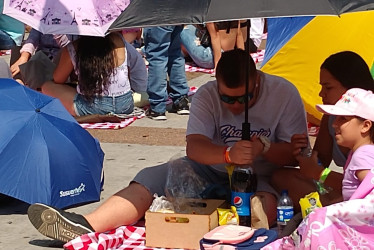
(275, 113)
(214, 131)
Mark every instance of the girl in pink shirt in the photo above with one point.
(354, 129)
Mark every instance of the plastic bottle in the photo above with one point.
(284, 211)
(243, 186)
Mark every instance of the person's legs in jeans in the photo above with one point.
(176, 70)
(6, 42)
(157, 42)
(201, 55)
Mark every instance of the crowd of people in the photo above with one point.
(98, 75)
(86, 82)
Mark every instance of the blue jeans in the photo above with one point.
(123, 104)
(6, 42)
(202, 56)
(163, 52)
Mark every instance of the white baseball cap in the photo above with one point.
(354, 102)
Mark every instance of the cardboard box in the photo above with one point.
(182, 230)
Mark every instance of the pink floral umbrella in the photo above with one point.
(76, 17)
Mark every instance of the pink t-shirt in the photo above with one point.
(361, 159)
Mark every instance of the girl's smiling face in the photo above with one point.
(332, 89)
(347, 131)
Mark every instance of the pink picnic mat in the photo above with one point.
(126, 122)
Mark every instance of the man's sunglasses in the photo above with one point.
(232, 99)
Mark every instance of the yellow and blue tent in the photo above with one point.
(297, 46)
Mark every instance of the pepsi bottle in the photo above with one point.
(243, 186)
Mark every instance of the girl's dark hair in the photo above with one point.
(231, 68)
(96, 63)
(350, 70)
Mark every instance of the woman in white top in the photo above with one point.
(108, 70)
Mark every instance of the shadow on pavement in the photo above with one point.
(10, 205)
(47, 243)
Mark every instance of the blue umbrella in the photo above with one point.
(45, 155)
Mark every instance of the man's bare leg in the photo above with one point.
(123, 208)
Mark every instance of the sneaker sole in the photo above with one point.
(52, 224)
(158, 118)
(183, 112)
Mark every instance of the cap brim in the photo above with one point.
(333, 110)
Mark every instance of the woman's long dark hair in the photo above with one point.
(96, 63)
(350, 70)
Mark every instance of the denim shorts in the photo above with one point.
(123, 104)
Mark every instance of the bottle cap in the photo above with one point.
(284, 192)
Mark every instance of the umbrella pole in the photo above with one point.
(246, 126)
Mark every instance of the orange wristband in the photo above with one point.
(227, 155)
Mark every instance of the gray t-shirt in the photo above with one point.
(278, 114)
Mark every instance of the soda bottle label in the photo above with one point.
(284, 214)
(242, 202)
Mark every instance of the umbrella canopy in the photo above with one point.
(143, 13)
(307, 41)
(83, 17)
(45, 155)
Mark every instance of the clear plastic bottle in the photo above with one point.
(284, 211)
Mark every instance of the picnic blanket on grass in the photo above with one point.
(344, 225)
(126, 120)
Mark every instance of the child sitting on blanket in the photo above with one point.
(347, 224)
(354, 129)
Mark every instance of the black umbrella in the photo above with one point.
(145, 13)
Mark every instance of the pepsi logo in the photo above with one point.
(238, 201)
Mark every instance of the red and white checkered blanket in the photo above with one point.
(192, 67)
(126, 122)
(125, 237)
(111, 125)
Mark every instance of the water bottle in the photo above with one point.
(284, 211)
(243, 186)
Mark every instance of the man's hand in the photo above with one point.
(298, 142)
(244, 152)
(309, 166)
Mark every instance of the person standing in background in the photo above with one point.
(163, 52)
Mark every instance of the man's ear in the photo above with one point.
(366, 126)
